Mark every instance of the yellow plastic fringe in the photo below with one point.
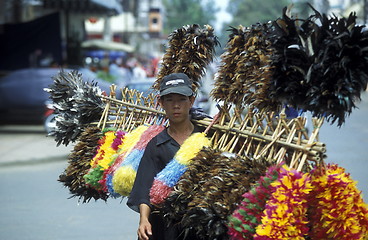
(191, 146)
(131, 139)
(105, 151)
(123, 180)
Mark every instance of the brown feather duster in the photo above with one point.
(253, 73)
(191, 49)
(229, 60)
(79, 164)
(210, 190)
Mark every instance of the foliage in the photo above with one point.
(186, 12)
(106, 76)
(248, 12)
(303, 9)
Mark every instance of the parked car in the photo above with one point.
(22, 96)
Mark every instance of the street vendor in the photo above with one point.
(176, 97)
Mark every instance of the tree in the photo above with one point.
(184, 12)
(248, 12)
(303, 8)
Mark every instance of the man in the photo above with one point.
(176, 97)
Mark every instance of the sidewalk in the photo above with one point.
(28, 144)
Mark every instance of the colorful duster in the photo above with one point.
(285, 214)
(243, 222)
(169, 176)
(108, 147)
(337, 210)
(128, 144)
(124, 176)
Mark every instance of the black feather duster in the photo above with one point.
(320, 64)
(340, 70)
(290, 62)
(209, 191)
(77, 104)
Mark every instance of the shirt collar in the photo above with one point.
(163, 137)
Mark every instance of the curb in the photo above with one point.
(34, 161)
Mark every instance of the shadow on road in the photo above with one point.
(22, 129)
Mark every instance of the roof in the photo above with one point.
(109, 7)
(107, 45)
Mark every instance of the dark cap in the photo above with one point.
(176, 83)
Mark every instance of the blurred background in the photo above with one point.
(115, 41)
(120, 42)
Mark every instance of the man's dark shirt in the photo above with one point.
(158, 153)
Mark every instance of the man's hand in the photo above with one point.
(145, 228)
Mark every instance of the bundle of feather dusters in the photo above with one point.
(209, 191)
(318, 64)
(77, 103)
(79, 164)
(191, 48)
(245, 71)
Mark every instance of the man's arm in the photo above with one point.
(144, 229)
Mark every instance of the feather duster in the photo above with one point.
(319, 64)
(290, 62)
(169, 176)
(130, 140)
(209, 191)
(229, 60)
(124, 177)
(244, 220)
(104, 157)
(285, 216)
(253, 72)
(191, 48)
(337, 210)
(340, 70)
(79, 164)
(77, 103)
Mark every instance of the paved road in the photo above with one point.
(22, 144)
(348, 145)
(34, 206)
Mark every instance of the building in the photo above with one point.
(19, 18)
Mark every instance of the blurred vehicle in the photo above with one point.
(22, 96)
(49, 117)
(202, 101)
(143, 85)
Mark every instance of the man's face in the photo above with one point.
(176, 106)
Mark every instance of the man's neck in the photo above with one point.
(180, 132)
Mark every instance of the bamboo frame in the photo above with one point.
(256, 134)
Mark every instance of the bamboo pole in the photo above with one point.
(317, 145)
(247, 133)
(135, 106)
(311, 140)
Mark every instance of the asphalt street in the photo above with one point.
(348, 145)
(35, 206)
